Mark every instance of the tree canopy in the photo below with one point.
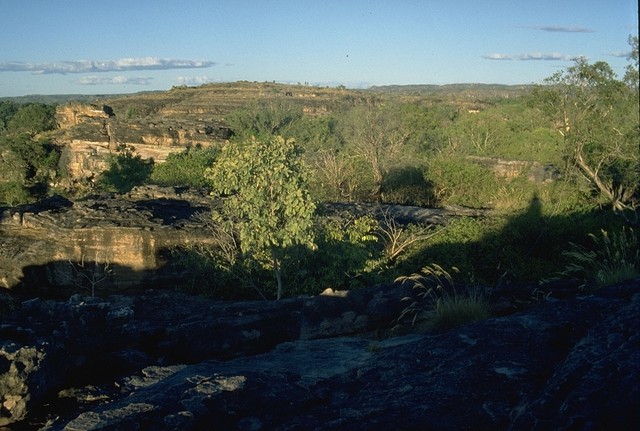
(265, 199)
(597, 116)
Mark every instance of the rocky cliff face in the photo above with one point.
(48, 243)
(73, 114)
(90, 134)
(159, 124)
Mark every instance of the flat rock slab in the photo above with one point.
(563, 364)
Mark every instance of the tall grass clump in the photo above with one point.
(439, 304)
(614, 258)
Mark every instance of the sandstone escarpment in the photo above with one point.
(89, 135)
(44, 246)
(73, 114)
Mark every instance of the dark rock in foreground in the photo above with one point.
(300, 364)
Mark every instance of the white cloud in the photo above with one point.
(564, 29)
(530, 56)
(97, 66)
(497, 56)
(545, 56)
(193, 80)
(620, 54)
(117, 80)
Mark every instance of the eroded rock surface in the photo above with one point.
(44, 244)
(168, 361)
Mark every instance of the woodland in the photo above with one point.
(548, 176)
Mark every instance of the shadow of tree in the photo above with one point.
(59, 279)
(525, 247)
(170, 211)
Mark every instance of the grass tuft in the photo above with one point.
(613, 259)
(439, 304)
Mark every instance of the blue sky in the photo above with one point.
(114, 46)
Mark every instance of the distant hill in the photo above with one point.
(233, 89)
(54, 99)
(478, 90)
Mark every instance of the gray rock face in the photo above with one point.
(166, 361)
(50, 346)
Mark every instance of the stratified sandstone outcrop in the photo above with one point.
(73, 114)
(88, 136)
(159, 124)
(43, 244)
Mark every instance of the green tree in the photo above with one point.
(631, 76)
(33, 118)
(597, 116)
(334, 176)
(185, 168)
(481, 133)
(127, 169)
(266, 201)
(7, 110)
(27, 164)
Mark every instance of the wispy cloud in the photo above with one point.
(541, 56)
(117, 80)
(620, 54)
(193, 80)
(498, 56)
(545, 56)
(96, 66)
(564, 29)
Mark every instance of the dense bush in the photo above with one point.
(459, 181)
(33, 118)
(435, 154)
(127, 169)
(186, 168)
(28, 159)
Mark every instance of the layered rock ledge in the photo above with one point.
(42, 243)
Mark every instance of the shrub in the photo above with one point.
(406, 185)
(126, 170)
(14, 193)
(457, 181)
(33, 118)
(345, 256)
(186, 168)
(27, 166)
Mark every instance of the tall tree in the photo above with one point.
(631, 77)
(597, 116)
(7, 110)
(265, 199)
